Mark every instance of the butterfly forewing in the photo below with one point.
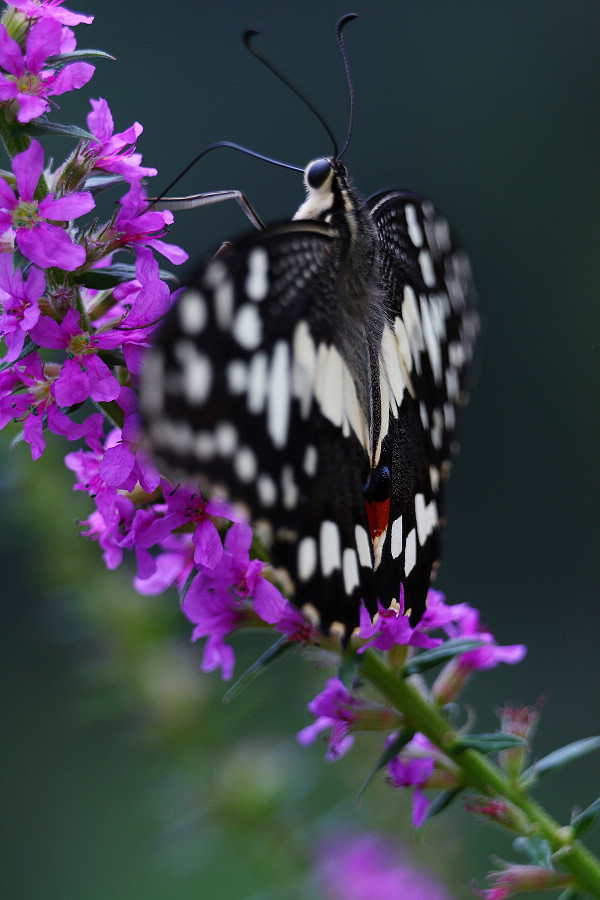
(248, 389)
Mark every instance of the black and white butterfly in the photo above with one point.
(312, 371)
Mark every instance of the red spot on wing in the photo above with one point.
(378, 514)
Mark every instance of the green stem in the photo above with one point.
(481, 772)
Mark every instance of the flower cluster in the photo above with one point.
(73, 350)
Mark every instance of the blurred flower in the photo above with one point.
(371, 867)
(515, 879)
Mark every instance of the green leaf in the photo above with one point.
(349, 668)
(430, 658)
(96, 183)
(536, 849)
(569, 894)
(44, 126)
(76, 56)
(401, 740)
(104, 279)
(269, 656)
(488, 743)
(561, 757)
(584, 819)
(441, 801)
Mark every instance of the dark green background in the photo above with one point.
(125, 775)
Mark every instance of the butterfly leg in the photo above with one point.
(193, 201)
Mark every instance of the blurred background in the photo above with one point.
(124, 774)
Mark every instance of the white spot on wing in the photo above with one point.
(247, 327)
(307, 558)
(226, 438)
(363, 546)
(197, 371)
(278, 409)
(311, 460)
(257, 382)
(192, 311)
(432, 341)
(237, 377)
(427, 271)
(289, 488)
(329, 383)
(414, 229)
(257, 282)
(266, 489)
(330, 549)
(305, 357)
(410, 552)
(153, 397)
(245, 464)
(396, 538)
(350, 570)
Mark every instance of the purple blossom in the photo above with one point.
(216, 601)
(137, 226)
(83, 373)
(173, 566)
(109, 523)
(368, 867)
(142, 304)
(413, 772)
(44, 244)
(124, 463)
(455, 675)
(391, 627)
(20, 308)
(27, 81)
(115, 152)
(336, 711)
(51, 9)
(36, 402)
(188, 506)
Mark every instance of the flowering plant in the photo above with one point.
(75, 320)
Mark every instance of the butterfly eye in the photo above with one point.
(317, 173)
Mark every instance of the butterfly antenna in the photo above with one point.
(248, 35)
(340, 39)
(215, 146)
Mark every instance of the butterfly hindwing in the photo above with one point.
(249, 387)
(430, 297)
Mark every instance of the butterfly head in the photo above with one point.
(323, 179)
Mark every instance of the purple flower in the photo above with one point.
(20, 308)
(336, 710)
(44, 244)
(124, 464)
(109, 524)
(455, 675)
(51, 9)
(137, 226)
(390, 628)
(368, 867)
(216, 601)
(36, 402)
(83, 373)
(27, 81)
(190, 507)
(420, 764)
(115, 152)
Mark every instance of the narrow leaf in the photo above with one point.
(76, 56)
(96, 183)
(44, 126)
(401, 740)
(269, 656)
(430, 658)
(349, 668)
(584, 819)
(441, 801)
(488, 743)
(104, 279)
(569, 894)
(536, 849)
(561, 757)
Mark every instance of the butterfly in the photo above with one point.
(312, 372)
